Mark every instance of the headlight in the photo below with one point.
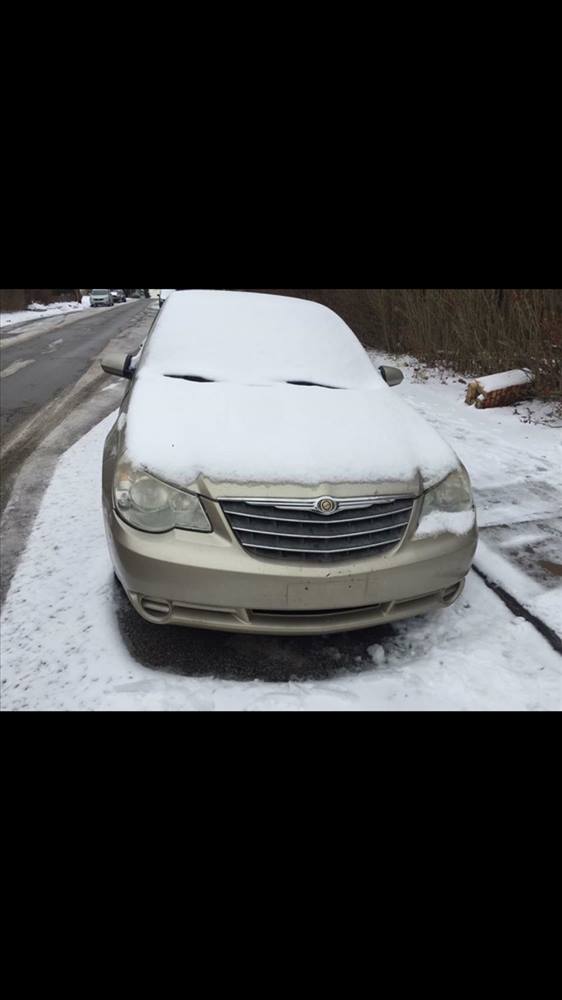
(146, 503)
(453, 495)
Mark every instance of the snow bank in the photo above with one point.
(61, 307)
(12, 318)
(37, 310)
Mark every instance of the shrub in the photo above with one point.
(477, 331)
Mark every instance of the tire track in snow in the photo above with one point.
(16, 367)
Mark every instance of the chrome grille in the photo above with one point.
(294, 531)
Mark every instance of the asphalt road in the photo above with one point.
(49, 371)
(34, 372)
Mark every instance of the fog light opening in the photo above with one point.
(157, 610)
(449, 596)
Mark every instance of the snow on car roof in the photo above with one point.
(257, 339)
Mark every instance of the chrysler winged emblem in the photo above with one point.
(327, 506)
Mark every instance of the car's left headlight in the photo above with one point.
(146, 503)
(452, 496)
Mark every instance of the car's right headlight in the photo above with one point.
(451, 496)
(147, 503)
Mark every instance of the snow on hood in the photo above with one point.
(249, 424)
(230, 433)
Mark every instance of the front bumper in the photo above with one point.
(209, 581)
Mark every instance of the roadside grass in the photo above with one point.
(474, 331)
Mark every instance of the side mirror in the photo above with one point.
(118, 364)
(392, 376)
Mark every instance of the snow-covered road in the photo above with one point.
(69, 639)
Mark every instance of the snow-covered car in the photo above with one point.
(101, 297)
(164, 295)
(263, 476)
(118, 295)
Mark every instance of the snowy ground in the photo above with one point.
(515, 462)
(37, 311)
(70, 641)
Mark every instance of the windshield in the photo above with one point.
(254, 339)
(101, 291)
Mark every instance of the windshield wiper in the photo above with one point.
(315, 385)
(191, 378)
(309, 385)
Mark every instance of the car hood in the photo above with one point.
(224, 439)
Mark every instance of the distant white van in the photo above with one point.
(165, 294)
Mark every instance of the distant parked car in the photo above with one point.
(164, 294)
(118, 295)
(101, 297)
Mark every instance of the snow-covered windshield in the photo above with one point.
(253, 339)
